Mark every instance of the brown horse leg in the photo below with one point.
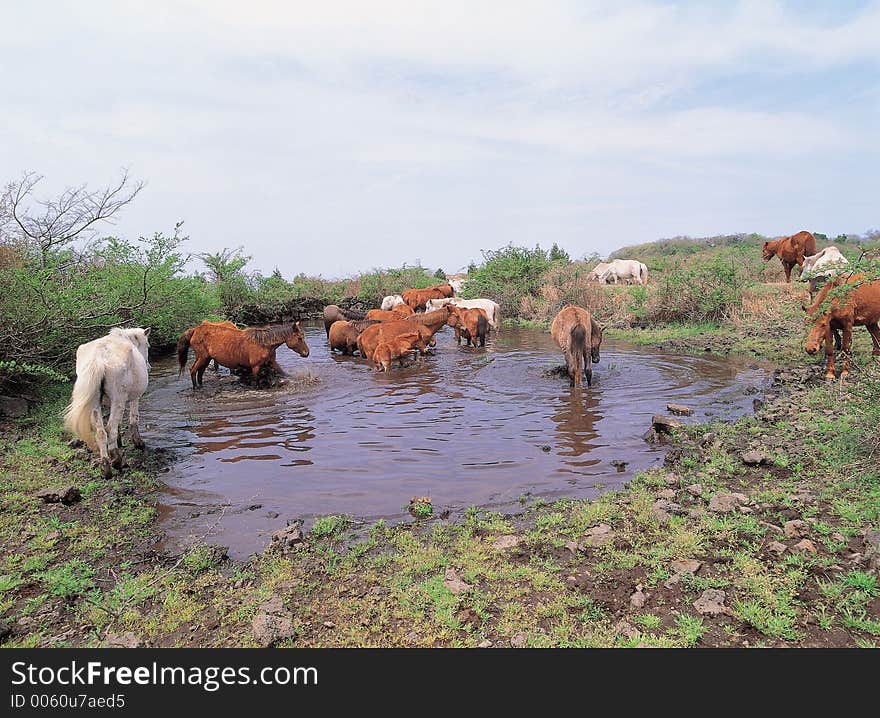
(874, 331)
(846, 347)
(198, 369)
(787, 267)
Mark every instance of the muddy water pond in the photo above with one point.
(464, 426)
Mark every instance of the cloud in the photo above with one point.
(402, 130)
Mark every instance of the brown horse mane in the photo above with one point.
(270, 336)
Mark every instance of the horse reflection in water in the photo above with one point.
(253, 436)
(575, 430)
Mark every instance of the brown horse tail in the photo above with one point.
(482, 329)
(578, 352)
(183, 348)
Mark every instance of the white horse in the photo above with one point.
(493, 311)
(115, 368)
(597, 271)
(391, 301)
(823, 264)
(626, 270)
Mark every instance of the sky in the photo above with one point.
(330, 138)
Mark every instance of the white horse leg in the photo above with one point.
(117, 408)
(101, 439)
(134, 428)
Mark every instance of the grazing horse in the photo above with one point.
(397, 348)
(790, 250)
(251, 349)
(391, 301)
(627, 270)
(598, 271)
(418, 298)
(473, 324)
(394, 315)
(344, 335)
(332, 313)
(382, 332)
(859, 306)
(576, 332)
(116, 368)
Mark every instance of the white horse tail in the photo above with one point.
(86, 391)
(643, 273)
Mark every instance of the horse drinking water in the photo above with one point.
(251, 349)
(576, 333)
(115, 368)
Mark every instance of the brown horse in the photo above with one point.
(790, 250)
(373, 336)
(228, 325)
(860, 306)
(389, 315)
(472, 324)
(251, 349)
(332, 313)
(344, 335)
(417, 298)
(397, 348)
(574, 330)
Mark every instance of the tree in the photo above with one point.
(225, 265)
(51, 224)
(557, 254)
(440, 274)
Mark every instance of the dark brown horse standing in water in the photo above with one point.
(579, 336)
(250, 349)
(332, 313)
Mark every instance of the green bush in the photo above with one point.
(700, 291)
(510, 275)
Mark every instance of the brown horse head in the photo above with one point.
(817, 334)
(769, 250)
(595, 340)
(296, 341)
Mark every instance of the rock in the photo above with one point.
(651, 436)
(696, 512)
(485, 644)
(665, 424)
(519, 640)
(122, 640)
(506, 542)
(707, 439)
(215, 553)
(805, 545)
(421, 506)
(660, 515)
(694, 489)
(411, 637)
(711, 603)
(572, 546)
(619, 464)
(287, 539)
(679, 409)
(796, 528)
(273, 623)
(329, 624)
(67, 496)
(838, 537)
(599, 536)
(672, 480)
(5, 631)
(638, 599)
(669, 507)
(666, 493)
(53, 535)
(625, 629)
(686, 565)
(455, 583)
(756, 458)
(723, 503)
(777, 547)
(13, 406)
(872, 541)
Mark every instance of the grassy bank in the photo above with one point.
(625, 569)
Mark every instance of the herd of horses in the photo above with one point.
(114, 369)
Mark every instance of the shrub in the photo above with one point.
(509, 276)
